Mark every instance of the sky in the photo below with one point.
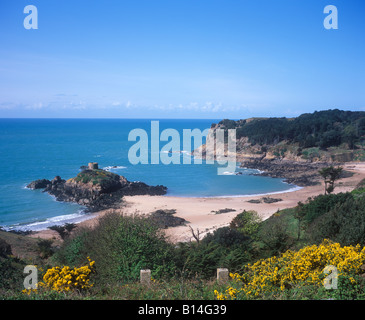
(208, 59)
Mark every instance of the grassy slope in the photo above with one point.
(22, 246)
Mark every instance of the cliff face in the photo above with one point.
(325, 136)
(296, 148)
(95, 189)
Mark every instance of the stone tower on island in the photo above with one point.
(93, 165)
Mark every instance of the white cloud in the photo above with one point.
(35, 106)
(7, 106)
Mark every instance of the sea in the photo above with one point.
(33, 149)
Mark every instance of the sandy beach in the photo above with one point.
(200, 212)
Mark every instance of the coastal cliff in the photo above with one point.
(95, 188)
(296, 148)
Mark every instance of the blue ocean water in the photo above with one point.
(31, 149)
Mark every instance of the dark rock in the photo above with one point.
(254, 201)
(97, 189)
(57, 180)
(39, 184)
(165, 219)
(298, 173)
(226, 210)
(271, 200)
(140, 188)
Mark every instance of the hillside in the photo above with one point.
(331, 136)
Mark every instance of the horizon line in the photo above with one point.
(77, 118)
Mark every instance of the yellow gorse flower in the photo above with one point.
(304, 266)
(63, 279)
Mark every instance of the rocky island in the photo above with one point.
(95, 188)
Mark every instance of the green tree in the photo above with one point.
(330, 175)
(349, 136)
(247, 222)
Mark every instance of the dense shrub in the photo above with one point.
(11, 271)
(305, 267)
(247, 222)
(121, 246)
(201, 260)
(216, 251)
(225, 237)
(321, 204)
(345, 223)
(275, 236)
(73, 249)
(45, 248)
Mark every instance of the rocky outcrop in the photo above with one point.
(39, 184)
(298, 173)
(96, 189)
(166, 219)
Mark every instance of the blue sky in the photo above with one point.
(180, 58)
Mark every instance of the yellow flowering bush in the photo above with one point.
(291, 268)
(66, 279)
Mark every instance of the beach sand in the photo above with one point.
(199, 212)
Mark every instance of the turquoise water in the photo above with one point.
(31, 149)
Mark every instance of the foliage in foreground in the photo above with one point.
(177, 288)
(65, 279)
(258, 253)
(302, 269)
(121, 246)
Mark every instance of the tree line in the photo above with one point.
(319, 129)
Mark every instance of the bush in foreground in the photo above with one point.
(299, 271)
(121, 246)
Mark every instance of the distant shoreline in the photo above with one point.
(199, 212)
(293, 189)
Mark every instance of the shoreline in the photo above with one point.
(83, 215)
(199, 211)
(293, 189)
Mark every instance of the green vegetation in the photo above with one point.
(311, 153)
(330, 175)
(64, 230)
(322, 129)
(97, 177)
(247, 222)
(122, 245)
